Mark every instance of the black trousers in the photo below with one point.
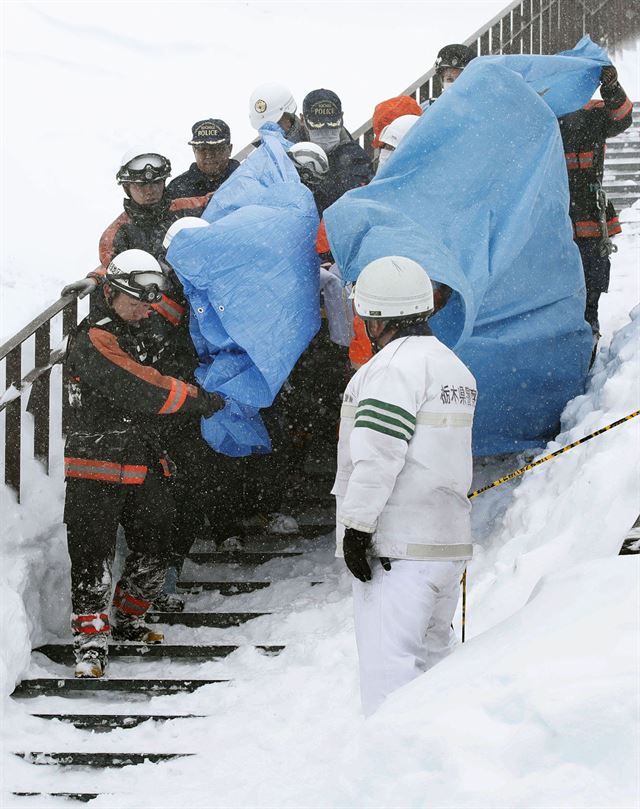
(92, 512)
(207, 485)
(597, 270)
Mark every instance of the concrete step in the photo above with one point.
(97, 759)
(198, 619)
(305, 531)
(63, 652)
(248, 558)
(227, 588)
(106, 722)
(82, 797)
(71, 686)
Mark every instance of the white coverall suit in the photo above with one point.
(404, 472)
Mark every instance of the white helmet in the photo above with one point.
(268, 102)
(180, 224)
(307, 155)
(137, 273)
(394, 132)
(392, 287)
(143, 165)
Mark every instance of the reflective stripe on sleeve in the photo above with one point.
(348, 411)
(104, 470)
(449, 419)
(592, 230)
(175, 399)
(579, 160)
(170, 310)
(622, 111)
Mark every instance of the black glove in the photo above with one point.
(608, 75)
(211, 403)
(355, 545)
(81, 288)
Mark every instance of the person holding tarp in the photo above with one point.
(116, 465)
(252, 280)
(477, 191)
(584, 136)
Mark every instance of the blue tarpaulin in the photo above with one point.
(477, 193)
(252, 280)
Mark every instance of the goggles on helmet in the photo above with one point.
(146, 168)
(310, 161)
(144, 285)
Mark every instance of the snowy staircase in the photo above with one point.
(119, 703)
(622, 165)
(631, 544)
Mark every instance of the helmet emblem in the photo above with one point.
(260, 106)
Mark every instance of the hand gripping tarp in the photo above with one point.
(477, 193)
(252, 280)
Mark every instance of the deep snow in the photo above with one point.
(538, 709)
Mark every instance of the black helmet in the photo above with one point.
(453, 56)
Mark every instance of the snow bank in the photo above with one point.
(537, 712)
(34, 578)
(578, 506)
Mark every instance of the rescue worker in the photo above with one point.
(404, 471)
(450, 62)
(387, 111)
(584, 136)
(149, 211)
(349, 165)
(275, 102)
(312, 166)
(393, 134)
(211, 144)
(116, 466)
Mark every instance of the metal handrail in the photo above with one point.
(35, 324)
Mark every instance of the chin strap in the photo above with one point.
(403, 327)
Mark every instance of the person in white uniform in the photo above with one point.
(404, 472)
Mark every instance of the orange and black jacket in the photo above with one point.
(118, 402)
(584, 135)
(144, 227)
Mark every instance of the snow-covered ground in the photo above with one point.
(540, 707)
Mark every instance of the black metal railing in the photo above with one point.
(525, 26)
(36, 383)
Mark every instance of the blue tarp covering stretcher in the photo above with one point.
(252, 280)
(477, 193)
